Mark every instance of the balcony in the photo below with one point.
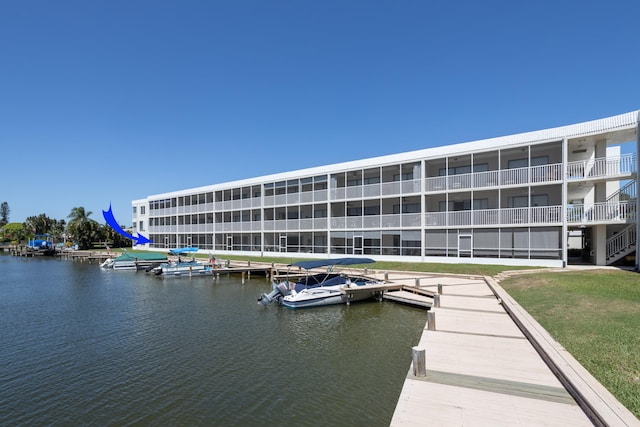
(603, 213)
(603, 167)
(491, 179)
(550, 215)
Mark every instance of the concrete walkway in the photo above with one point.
(488, 363)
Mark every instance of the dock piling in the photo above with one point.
(440, 288)
(418, 357)
(431, 320)
(436, 300)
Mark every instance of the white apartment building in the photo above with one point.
(545, 198)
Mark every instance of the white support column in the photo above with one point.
(565, 229)
(599, 244)
(637, 187)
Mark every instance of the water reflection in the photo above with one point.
(82, 345)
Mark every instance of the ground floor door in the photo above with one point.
(357, 245)
(465, 245)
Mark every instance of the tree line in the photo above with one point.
(80, 229)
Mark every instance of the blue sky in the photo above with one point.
(108, 101)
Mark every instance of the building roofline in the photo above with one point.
(619, 122)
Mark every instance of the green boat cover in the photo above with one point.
(142, 256)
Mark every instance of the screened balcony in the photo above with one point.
(494, 217)
(488, 179)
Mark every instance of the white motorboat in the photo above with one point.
(326, 288)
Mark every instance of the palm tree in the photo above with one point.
(40, 224)
(82, 229)
(78, 215)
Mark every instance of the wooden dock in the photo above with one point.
(487, 363)
(86, 255)
(407, 297)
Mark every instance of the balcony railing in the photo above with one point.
(379, 189)
(602, 167)
(489, 217)
(491, 179)
(605, 212)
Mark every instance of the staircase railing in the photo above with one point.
(622, 241)
(624, 193)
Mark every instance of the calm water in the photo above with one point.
(84, 346)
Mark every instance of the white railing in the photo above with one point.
(490, 179)
(622, 241)
(487, 217)
(628, 190)
(485, 179)
(456, 182)
(436, 183)
(601, 212)
(517, 176)
(546, 173)
(602, 167)
(374, 190)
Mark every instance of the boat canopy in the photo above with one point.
(308, 265)
(179, 251)
(142, 256)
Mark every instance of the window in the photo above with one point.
(540, 200)
(523, 201)
(481, 167)
(320, 182)
(463, 205)
(540, 160)
(517, 163)
(523, 163)
(518, 202)
(372, 210)
(411, 208)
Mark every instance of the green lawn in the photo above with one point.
(595, 315)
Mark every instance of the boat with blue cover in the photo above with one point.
(41, 244)
(323, 288)
(183, 268)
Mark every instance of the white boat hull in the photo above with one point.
(183, 270)
(327, 295)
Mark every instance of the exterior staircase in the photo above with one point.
(622, 244)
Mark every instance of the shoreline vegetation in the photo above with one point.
(593, 313)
